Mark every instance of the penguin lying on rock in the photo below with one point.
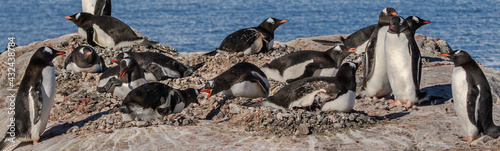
(84, 59)
(341, 90)
(307, 63)
(155, 100)
(159, 67)
(35, 97)
(472, 97)
(241, 80)
(106, 31)
(251, 40)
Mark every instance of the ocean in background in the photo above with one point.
(200, 25)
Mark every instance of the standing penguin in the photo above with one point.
(159, 67)
(128, 77)
(97, 7)
(301, 94)
(155, 100)
(106, 31)
(241, 80)
(416, 22)
(84, 59)
(404, 65)
(251, 40)
(472, 97)
(307, 63)
(35, 96)
(375, 82)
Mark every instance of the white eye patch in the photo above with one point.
(77, 16)
(401, 20)
(270, 20)
(337, 48)
(384, 11)
(415, 19)
(48, 50)
(81, 50)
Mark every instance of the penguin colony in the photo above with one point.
(393, 72)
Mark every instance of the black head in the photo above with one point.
(86, 52)
(398, 24)
(128, 65)
(271, 24)
(385, 16)
(47, 54)
(211, 88)
(79, 18)
(120, 56)
(459, 57)
(190, 95)
(416, 22)
(347, 69)
(339, 52)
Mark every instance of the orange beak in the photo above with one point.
(209, 91)
(123, 73)
(427, 22)
(89, 53)
(358, 64)
(351, 50)
(445, 54)
(394, 14)
(68, 17)
(114, 60)
(61, 53)
(283, 21)
(392, 26)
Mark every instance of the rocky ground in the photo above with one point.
(83, 119)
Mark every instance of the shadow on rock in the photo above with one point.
(433, 59)
(439, 94)
(392, 116)
(63, 128)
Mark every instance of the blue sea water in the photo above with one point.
(200, 25)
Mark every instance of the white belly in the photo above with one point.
(459, 90)
(125, 88)
(343, 103)
(73, 67)
(378, 84)
(102, 38)
(88, 6)
(362, 48)
(255, 48)
(399, 70)
(141, 114)
(82, 33)
(169, 72)
(48, 93)
(273, 74)
(325, 72)
(246, 89)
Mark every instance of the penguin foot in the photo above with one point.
(35, 142)
(395, 103)
(408, 104)
(469, 140)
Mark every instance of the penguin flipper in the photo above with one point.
(112, 82)
(102, 64)
(263, 84)
(328, 42)
(472, 98)
(90, 36)
(37, 99)
(66, 61)
(370, 58)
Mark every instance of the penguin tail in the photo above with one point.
(253, 104)
(3, 143)
(211, 53)
(148, 42)
(328, 42)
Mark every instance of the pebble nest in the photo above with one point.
(83, 110)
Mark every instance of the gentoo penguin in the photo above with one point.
(301, 94)
(357, 40)
(251, 40)
(404, 65)
(241, 80)
(375, 82)
(106, 31)
(159, 67)
(97, 7)
(415, 22)
(84, 59)
(130, 77)
(472, 97)
(155, 100)
(307, 63)
(35, 96)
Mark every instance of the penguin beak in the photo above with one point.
(123, 73)
(392, 26)
(114, 60)
(427, 22)
(283, 21)
(89, 53)
(351, 50)
(358, 64)
(68, 17)
(209, 91)
(446, 55)
(61, 53)
(394, 14)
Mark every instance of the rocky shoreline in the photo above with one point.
(81, 114)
